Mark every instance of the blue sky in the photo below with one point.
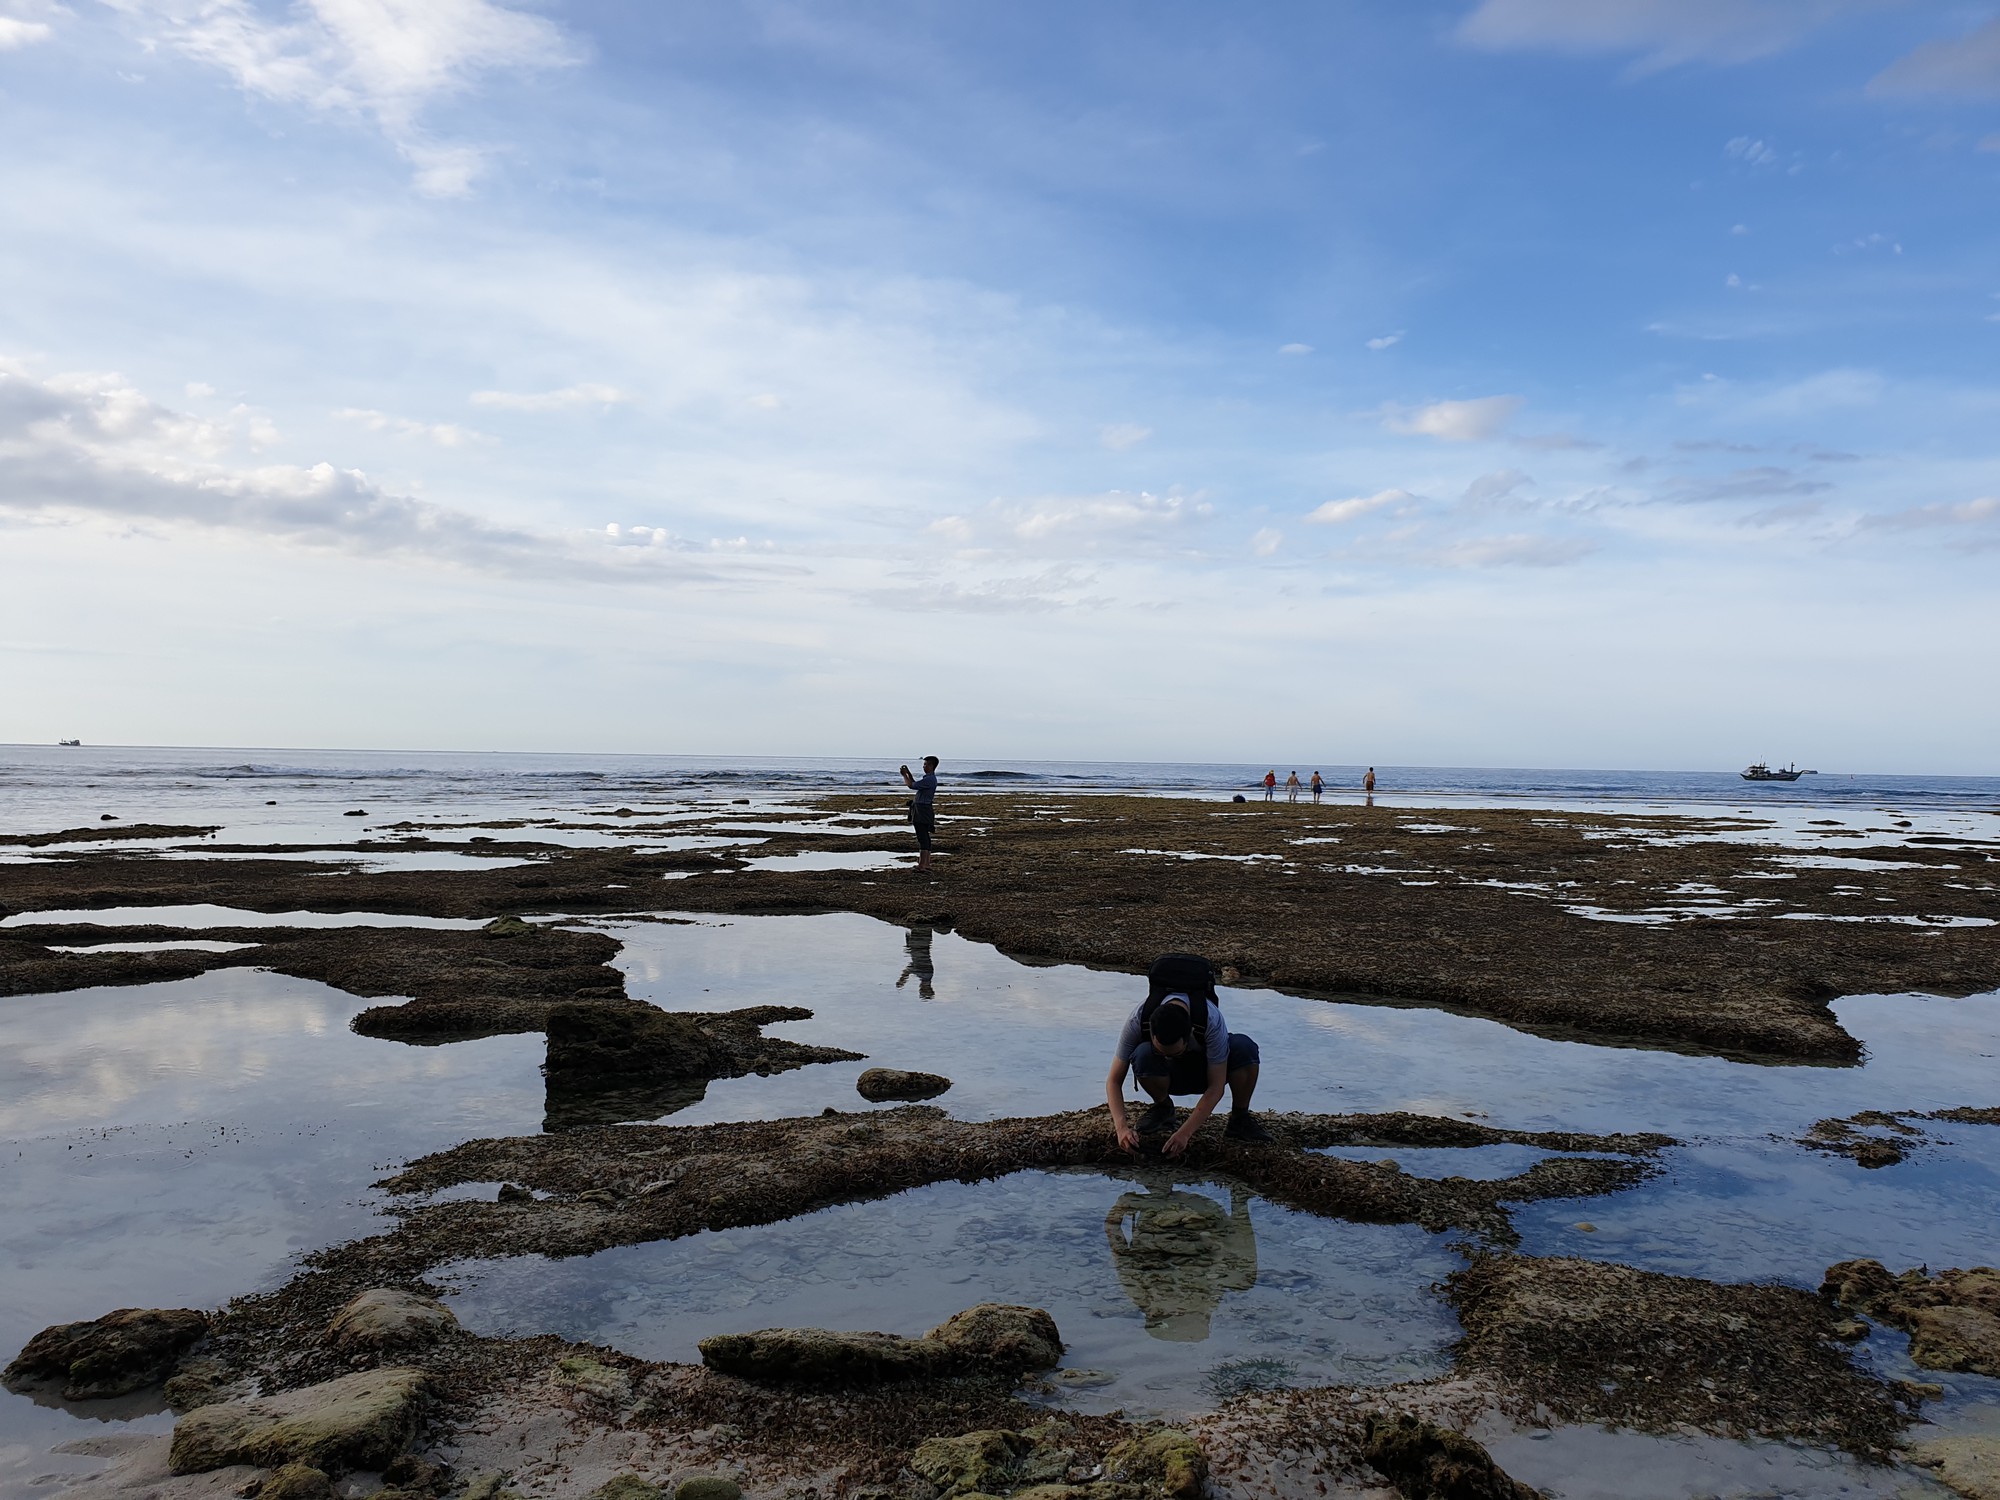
(1554, 382)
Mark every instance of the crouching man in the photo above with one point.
(1176, 1042)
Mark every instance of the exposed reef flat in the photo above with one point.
(1671, 931)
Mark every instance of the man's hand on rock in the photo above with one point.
(1177, 1143)
(1128, 1139)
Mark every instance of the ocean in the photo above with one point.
(45, 787)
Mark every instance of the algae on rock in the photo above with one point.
(358, 1421)
(120, 1352)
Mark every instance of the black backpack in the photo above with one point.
(1182, 974)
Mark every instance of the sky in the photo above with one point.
(1584, 383)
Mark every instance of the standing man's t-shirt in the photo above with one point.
(1134, 1035)
(926, 786)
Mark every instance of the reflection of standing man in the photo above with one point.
(1176, 1253)
(917, 942)
(923, 807)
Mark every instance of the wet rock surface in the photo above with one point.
(358, 1421)
(1589, 1341)
(990, 1338)
(1070, 878)
(1952, 1317)
(887, 1085)
(122, 1351)
(608, 1063)
(1428, 1462)
(388, 1318)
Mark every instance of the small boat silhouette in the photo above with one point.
(1762, 772)
(69, 742)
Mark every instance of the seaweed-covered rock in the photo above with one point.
(1166, 1460)
(1952, 1318)
(992, 1338)
(708, 1487)
(881, 1085)
(359, 1421)
(1598, 1342)
(120, 1352)
(387, 1317)
(1428, 1462)
(991, 1461)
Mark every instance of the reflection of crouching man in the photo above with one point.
(1176, 1042)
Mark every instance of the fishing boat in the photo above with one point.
(1762, 772)
(69, 742)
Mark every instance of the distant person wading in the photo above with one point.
(923, 807)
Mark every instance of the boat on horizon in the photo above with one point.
(69, 742)
(1762, 772)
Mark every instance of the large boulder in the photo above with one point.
(881, 1085)
(120, 1352)
(992, 1338)
(1952, 1318)
(387, 1317)
(359, 1421)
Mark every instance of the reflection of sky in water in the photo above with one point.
(1173, 1292)
(211, 1129)
(205, 915)
(176, 1144)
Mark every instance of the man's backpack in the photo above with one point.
(1182, 974)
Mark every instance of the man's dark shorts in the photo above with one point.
(1188, 1073)
(924, 820)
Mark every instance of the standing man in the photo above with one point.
(1292, 787)
(1178, 1043)
(1368, 781)
(1318, 787)
(1270, 785)
(923, 807)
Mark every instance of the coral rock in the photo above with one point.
(359, 1421)
(109, 1356)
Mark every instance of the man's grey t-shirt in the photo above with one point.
(926, 791)
(1134, 1034)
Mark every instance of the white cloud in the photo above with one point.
(1968, 65)
(569, 395)
(1455, 421)
(1122, 435)
(1664, 33)
(382, 60)
(1739, 229)
(199, 390)
(765, 401)
(444, 434)
(1989, 143)
(15, 32)
(1266, 541)
(93, 448)
(1516, 551)
(1117, 520)
(1749, 151)
(1386, 341)
(1295, 348)
(1337, 512)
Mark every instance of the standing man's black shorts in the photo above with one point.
(924, 820)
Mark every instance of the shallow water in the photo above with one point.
(203, 915)
(1168, 1295)
(178, 1143)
